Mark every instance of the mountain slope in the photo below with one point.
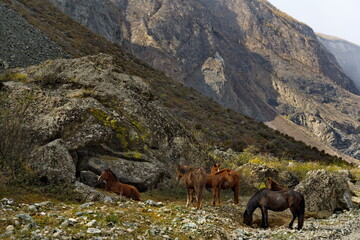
(245, 54)
(115, 111)
(346, 53)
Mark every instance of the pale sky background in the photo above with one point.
(339, 18)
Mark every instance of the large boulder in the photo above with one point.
(253, 176)
(53, 163)
(95, 111)
(325, 191)
(288, 179)
(91, 179)
(259, 172)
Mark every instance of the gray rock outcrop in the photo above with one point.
(325, 191)
(86, 116)
(53, 163)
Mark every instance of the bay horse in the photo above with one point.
(223, 179)
(276, 201)
(272, 185)
(195, 181)
(112, 185)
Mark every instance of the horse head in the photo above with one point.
(104, 176)
(247, 218)
(215, 168)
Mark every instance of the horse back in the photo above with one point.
(196, 177)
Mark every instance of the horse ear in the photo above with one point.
(218, 165)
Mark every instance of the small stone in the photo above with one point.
(10, 228)
(107, 199)
(32, 208)
(93, 231)
(91, 223)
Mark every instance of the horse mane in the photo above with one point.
(116, 178)
(253, 202)
(222, 170)
(184, 168)
(274, 186)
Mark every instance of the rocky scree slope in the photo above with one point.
(245, 54)
(18, 39)
(346, 53)
(160, 220)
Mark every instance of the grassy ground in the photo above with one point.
(134, 219)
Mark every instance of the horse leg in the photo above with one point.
(293, 211)
(301, 213)
(214, 191)
(218, 195)
(199, 198)
(236, 194)
(265, 220)
(188, 196)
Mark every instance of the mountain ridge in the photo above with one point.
(242, 53)
(346, 53)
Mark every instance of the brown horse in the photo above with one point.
(276, 201)
(195, 180)
(223, 179)
(112, 185)
(272, 185)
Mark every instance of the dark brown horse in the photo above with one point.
(272, 185)
(112, 185)
(223, 179)
(194, 180)
(276, 201)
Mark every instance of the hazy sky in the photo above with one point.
(339, 18)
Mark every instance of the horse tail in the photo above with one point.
(301, 212)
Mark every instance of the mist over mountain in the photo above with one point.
(346, 53)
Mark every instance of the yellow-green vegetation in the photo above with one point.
(13, 76)
(82, 93)
(132, 135)
(355, 173)
(121, 131)
(284, 164)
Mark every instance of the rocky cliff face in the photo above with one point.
(346, 53)
(245, 54)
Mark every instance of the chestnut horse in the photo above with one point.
(112, 185)
(276, 201)
(195, 181)
(272, 185)
(223, 179)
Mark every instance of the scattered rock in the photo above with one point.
(93, 231)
